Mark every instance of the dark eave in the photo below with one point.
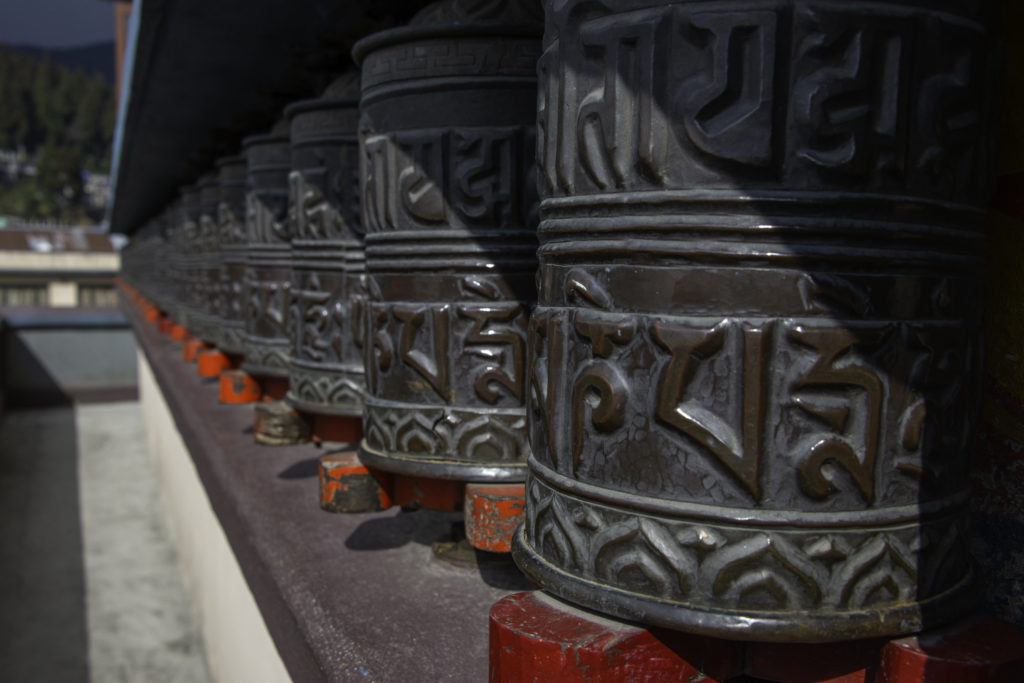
(201, 75)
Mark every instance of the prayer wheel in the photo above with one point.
(326, 365)
(755, 359)
(206, 323)
(449, 203)
(267, 285)
(188, 248)
(231, 240)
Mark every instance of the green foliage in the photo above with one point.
(64, 120)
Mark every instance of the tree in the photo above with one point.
(64, 119)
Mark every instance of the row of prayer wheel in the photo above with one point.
(732, 346)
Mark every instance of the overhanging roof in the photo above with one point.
(201, 75)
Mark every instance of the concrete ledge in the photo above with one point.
(237, 643)
(343, 597)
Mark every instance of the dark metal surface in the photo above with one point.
(177, 273)
(159, 269)
(147, 261)
(187, 247)
(754, 361)
(267, 286)
(326, 365)
(231, 241)
(205, 322)
(448, 202)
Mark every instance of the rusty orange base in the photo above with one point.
(152, 313)
(335, 428)
(492, 512)
(238, 386)
(211, 362)
(346, 485)
(191, 348)
(179, 333)
(444, 495)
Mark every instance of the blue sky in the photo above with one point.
(56, 23)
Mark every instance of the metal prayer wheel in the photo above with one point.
(159, 267)
(176, 260)
(267, 286)
(326, 365)
(448, 203)
(188, 253)
(147, 244)
(167, 260)
(754, 362)
(142, 262)
(232, 178)
(206, 324)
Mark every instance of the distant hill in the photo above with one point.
(56, 122)
(95, 58)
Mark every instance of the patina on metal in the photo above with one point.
(186, 242)
(267, 286)
(205, 312)
(160, 268)
(178, 259)
(326, 371)
(449, 204)
(755, 357)
(232, 247)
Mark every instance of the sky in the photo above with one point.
(56, 23)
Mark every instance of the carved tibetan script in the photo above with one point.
(732, 397)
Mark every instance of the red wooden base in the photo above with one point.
(191, 348)
(211, 362)
(982, 649)
(335, 428)
(165, 325)
(444, 495)
(346, 485)
(238, 386)
(274, 388)
(492, 512)
(536, 637)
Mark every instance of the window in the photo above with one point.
(103, 296)
(23, 295)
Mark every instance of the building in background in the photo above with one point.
(54, 266)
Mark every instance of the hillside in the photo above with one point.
(57, 122)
